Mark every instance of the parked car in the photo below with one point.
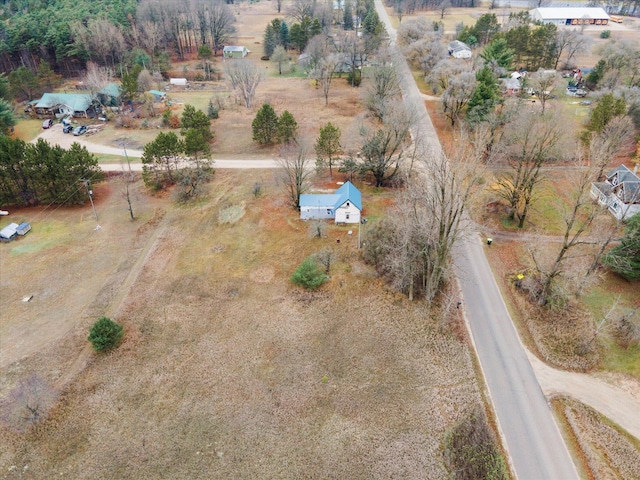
(48, 123)
(67, 128)
(79, 130)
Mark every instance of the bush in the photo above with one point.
(471, 452)
(105, 334)
(308, 275)
(605, 34)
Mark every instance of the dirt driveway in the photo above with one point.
(56, 136)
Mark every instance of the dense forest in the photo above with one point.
(68, 33)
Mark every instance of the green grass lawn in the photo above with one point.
(28, 129)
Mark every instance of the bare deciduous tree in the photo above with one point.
(244, 77)
(459, 91)
(414, 251)
(383, 146)
(532, 140)
(569, 43)
(383, 91)
(28, 403)
(542, 83)
(297, 165)
(577, 218)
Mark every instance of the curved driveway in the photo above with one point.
(526, 423)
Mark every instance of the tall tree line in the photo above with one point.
(32, 174)
(68, 33)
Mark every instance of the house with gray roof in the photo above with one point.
(619, 192)
(64, 104)
(235, 51)
(344, 205)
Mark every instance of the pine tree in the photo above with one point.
(348, 16)
(270, 41)
(485, 97)
(285, 40)
(328, 146)
(265, 125)
(287, 127)
(624, 259)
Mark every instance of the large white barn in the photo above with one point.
(345, 205)
(570, 15)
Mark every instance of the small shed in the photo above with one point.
(110, 95)
(23, 228)
(180, 82)
(9, 232)
(158, 96)
(235, 51)
(344, 206)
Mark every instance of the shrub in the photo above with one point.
(471, 452)
(308, 275)
(212, 110)
(605, 34)
(104, 334)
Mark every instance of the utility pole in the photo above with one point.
(124, 148)
(86, 185)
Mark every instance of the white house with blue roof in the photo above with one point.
(344, 206)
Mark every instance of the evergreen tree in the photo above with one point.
(129, 81)
(328, 146)
(607, 108)
(270, 41)
(105, 334)
(498, 50)
(348, 16)
(196, 119)
(287, 127)
(485, 97)
(4, 87)
(285, 40)
(624, 259)
(265, 125)
(7, 120)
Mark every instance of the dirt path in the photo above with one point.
(620, 403)
(124, 289)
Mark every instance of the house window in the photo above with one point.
(347, 204)
(347, 217)
(328, 211)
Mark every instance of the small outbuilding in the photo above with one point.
(9, 232)
(460, 50)
(344, 206)
(179, 82)
(158, 96)
(235, 51)
(570, 15)
(23, 228)
(109, 96)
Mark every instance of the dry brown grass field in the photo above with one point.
(226, 369)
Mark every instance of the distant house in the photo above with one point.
(460, 50)
(512, 85)
(570, 15)
(110, 95)
(619, 192)
(63, 104)
(158, 96)
(344, 206)
(235, 51)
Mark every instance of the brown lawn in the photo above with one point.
(226, 370)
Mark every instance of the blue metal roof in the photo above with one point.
(347, 192)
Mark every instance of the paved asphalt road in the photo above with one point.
(530, 434)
